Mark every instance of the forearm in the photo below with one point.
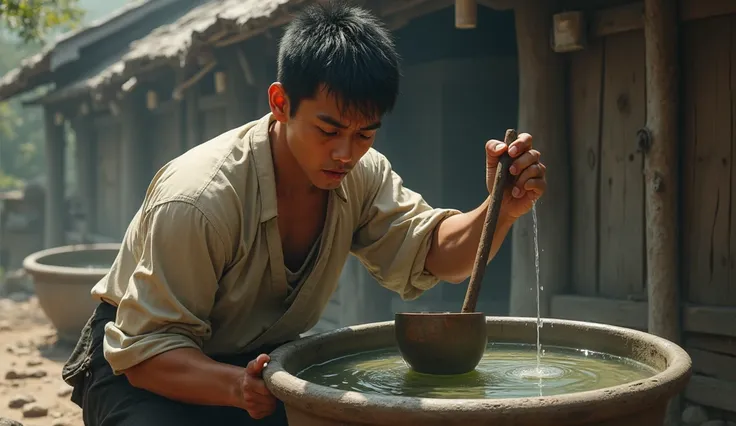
(455, 243)
(187, 375)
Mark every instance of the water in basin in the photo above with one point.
(507, 370)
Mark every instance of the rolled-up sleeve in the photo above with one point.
(170, 294)
(395, 232)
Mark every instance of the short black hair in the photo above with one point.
(346, 49)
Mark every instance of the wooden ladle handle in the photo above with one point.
(489, 227)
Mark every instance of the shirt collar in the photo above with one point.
(263, 159)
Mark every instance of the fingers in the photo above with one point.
(494, 149)
(257, 386)
(259, 406)
(524, 161)
(522, 144)
(530, 179)
(255, 367)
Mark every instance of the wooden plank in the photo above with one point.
(714, 365)
(622, 185)
(706, 183)
(586, 74)
(712, 392)
(711, 343)
(542, 84)
(630, 17)
(710, 319)
(622, 313)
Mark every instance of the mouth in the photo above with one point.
(335, 174)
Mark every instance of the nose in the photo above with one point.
(343, 151)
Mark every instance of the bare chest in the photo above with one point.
(301, 222)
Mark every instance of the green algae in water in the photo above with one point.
(506, 371)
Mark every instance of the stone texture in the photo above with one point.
(19, 401)
(35, 411)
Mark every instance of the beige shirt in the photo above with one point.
(201, 263)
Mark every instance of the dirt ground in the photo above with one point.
(31, 389)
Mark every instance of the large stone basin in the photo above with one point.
(62, 279)
(637, 403)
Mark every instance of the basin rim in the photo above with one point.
(32, 265)
(598, 404)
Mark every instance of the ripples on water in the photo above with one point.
(506, 371)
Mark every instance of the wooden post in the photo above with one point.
(542, 114)
(136, 162)
(660, 144)
(55, 209)
(86, 157)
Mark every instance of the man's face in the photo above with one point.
(324, 142)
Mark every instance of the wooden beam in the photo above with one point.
(660, 145)
(630, 17)
(542, 89)
(622, 313)
(710, 320)
(712, 392)
(714, 365)
(710, 343)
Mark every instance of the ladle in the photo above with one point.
(444, 343)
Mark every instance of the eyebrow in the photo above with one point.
(333, 122)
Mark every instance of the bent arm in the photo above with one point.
(455, 243)
(162, 319)
(189, 376)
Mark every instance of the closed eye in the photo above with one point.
(326, 133)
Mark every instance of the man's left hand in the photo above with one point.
(527, 175)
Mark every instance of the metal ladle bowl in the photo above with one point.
(444, 343)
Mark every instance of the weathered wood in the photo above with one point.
(630, 17)
(211, 102)
(711, 319)
(240, 96)
(706, 162)
(86, 158)
(714, 365)
(622, 313)
(135, 173)
(660, 168)
(586, 73)
(715, 321)
(712, 392)
(55, 155)
(167, 135)
(622, 251)
(108, 180)
(541, 94)
(711, 343)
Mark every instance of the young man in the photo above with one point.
(239, 243)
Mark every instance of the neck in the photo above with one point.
(290, 178)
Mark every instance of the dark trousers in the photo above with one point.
(110, 400)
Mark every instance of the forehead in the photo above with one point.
(328, 104)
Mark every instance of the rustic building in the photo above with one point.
(629, 101)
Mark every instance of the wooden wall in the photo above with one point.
(606, 105)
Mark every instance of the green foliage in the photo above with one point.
(33, 20)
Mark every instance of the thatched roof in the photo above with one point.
(36, 70)
(173, 44)
(213, 22)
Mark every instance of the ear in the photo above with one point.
(279, 102)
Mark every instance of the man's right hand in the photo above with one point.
(257, 399)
